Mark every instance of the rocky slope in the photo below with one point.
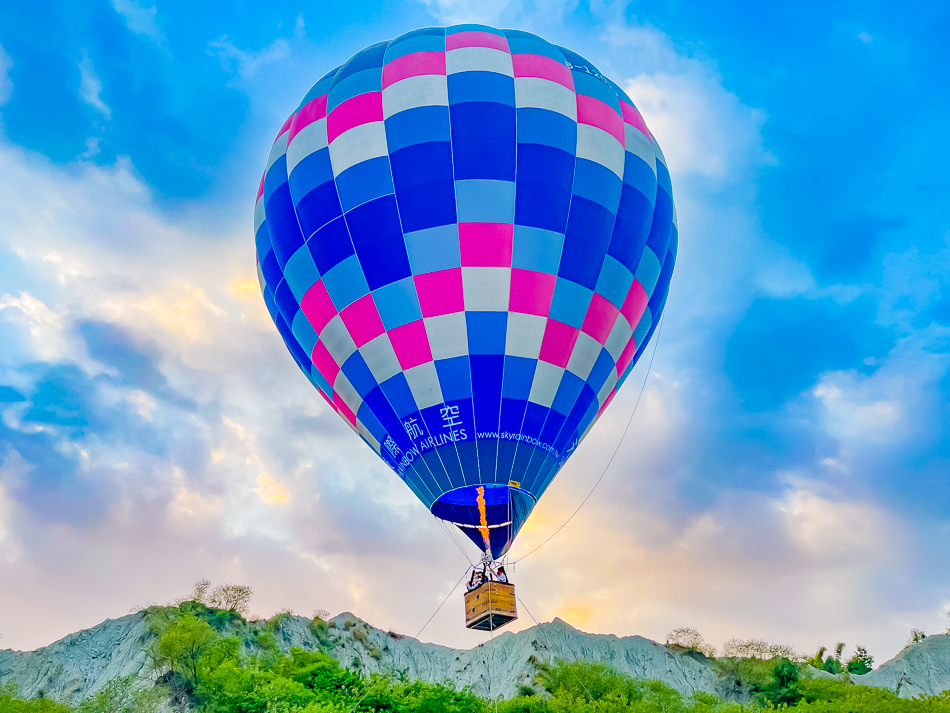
(82, 663)
(919, 670)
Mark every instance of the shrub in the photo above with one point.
(784, 689)
(10, 702)
(861, 662)
(180, 644)
(320, 629)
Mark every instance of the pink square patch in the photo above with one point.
(344, 410)
(531, 292)
(411, 344)
(558, 343)
(626, 356)
(356, 111)
(312, 111)
(634, 304)
(632, 116)
(600, 318)
(486, 244)
(594, 112)
(440, 292)
(475, 38)
(413, 65)
(362, 320)
(533, 65)
(324, 362)
(318, 307)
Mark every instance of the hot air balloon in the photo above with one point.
(465, 237)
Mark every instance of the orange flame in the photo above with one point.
(483, 517)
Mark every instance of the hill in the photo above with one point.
(83, 663)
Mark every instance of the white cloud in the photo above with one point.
(140, 20)
(44, 325)
(245, 63)
(702, 128)
(9, 548)
(784, 568)
(865, 37)
(851, 415)
(453, 12)
(90, 87)
(92, 147)
(831, 532)
(289, 489)
(6, 84)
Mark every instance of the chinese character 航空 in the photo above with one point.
(450, 416)
(413, 430)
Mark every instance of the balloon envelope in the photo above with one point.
(465, 237)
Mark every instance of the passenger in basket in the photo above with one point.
(476, 580)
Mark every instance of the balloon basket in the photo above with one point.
(490, 606)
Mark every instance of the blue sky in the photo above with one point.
(785, 474)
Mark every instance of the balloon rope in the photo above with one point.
(623, 435)
(429, 620)
(418, 634)
(451, 535)
(540, 631)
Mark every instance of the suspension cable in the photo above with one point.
(623, 435)
(540, 631)
(418, 634)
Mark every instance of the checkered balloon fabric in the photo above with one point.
(465, 237)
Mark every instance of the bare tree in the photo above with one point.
(236, 597)
(756, 649)
(686, 637)
(199, 593)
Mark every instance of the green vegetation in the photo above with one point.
(10, 702)
(224, 680)
(214, 661)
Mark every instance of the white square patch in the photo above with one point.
(424, 385)
(486, 289)
(412, 92)
(359, 144)
(380, 358)
(310, 138)
(618, 338)
(478, 59)
(547, 379)
(336, 338)
(525, 333)
(545, 94)
(347, 392)
(448, 335)
(586, 351)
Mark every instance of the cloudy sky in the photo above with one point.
(785, 473)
